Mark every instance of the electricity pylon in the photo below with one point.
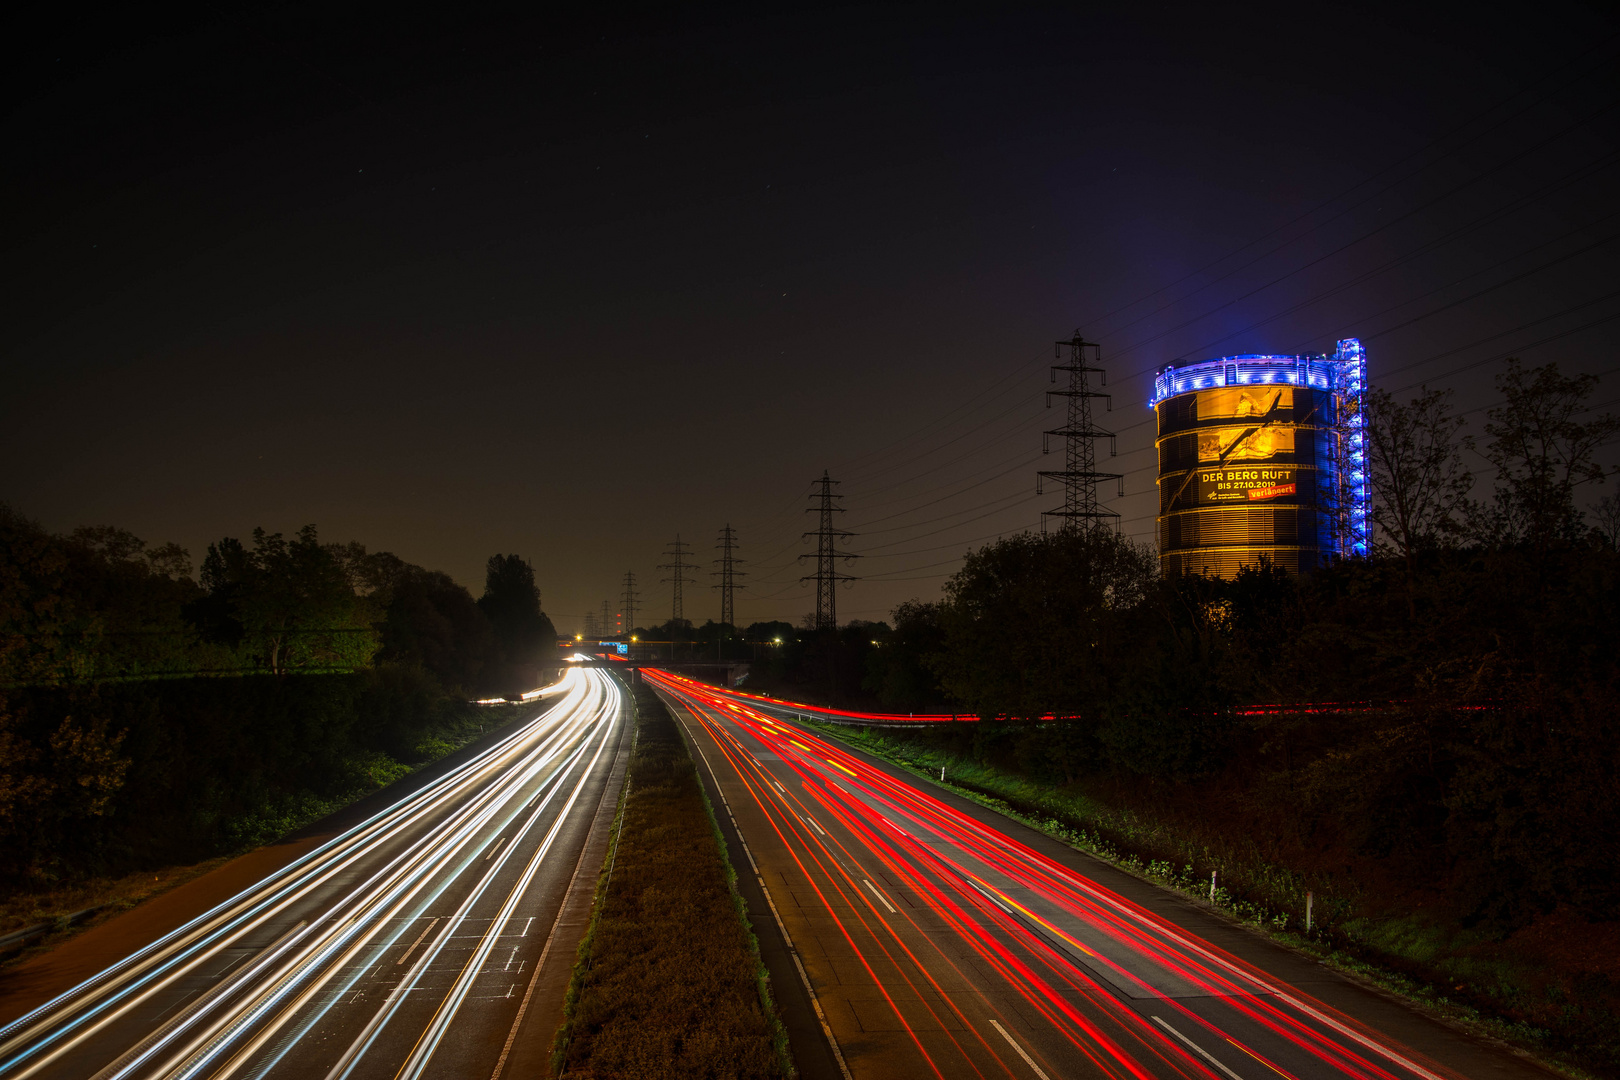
(630, 598)
(827, 553)
(677, 566)
(1079, 475)
(727, 562)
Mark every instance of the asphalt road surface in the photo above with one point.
(406, 946)
(939, 938)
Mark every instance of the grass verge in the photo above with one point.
(669, 981)
(1419, 961)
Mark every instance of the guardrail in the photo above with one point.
(19, 936)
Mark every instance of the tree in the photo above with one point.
(286, 605)
(897, 671)
(1027, 621)
(511, 602)
(96, 603)
(429, 621)
(1418, 475)
(1541, 454)
(1607, 519)
(32, 615)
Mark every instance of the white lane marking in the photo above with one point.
(415, 943)
(539, 965)
(815, 824)
(881, 897)
(1205, 1054)
(511, 958)
(604, 719)
(779, 787)
(1022, 1052)
(428, 1042)
(494, 849)
(526, 928)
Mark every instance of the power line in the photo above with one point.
(1294, 272)
(1582, 230)
(1562, 68)
(1434, 143)
(889, 465)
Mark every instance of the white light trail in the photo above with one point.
(353, 898)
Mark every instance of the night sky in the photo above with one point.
(464, 283)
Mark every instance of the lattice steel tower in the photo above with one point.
(827, 576)
(630, 598)
(1079, 475)
(727, 562)
(677, 566)
(608, 629)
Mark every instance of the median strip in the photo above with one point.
(669, 979)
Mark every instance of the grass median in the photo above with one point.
(669, 980)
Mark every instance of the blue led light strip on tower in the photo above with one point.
(1351, 361)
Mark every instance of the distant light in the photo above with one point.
(779, 641)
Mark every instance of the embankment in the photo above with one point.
(120, 790)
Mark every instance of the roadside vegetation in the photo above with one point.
(1426, 741)
(152, 721)
(669, 981)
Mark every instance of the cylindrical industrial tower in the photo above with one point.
(1262, 456)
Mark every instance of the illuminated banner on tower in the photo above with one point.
(1245, 485)
(1245, 402)
(1225, 444)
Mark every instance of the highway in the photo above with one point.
(407, 945)
(938, 938)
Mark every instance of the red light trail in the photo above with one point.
(985, 956)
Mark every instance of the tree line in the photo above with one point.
(149, 715)
(99, 604)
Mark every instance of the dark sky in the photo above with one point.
(461, 283)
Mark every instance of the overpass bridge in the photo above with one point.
(722, 673)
